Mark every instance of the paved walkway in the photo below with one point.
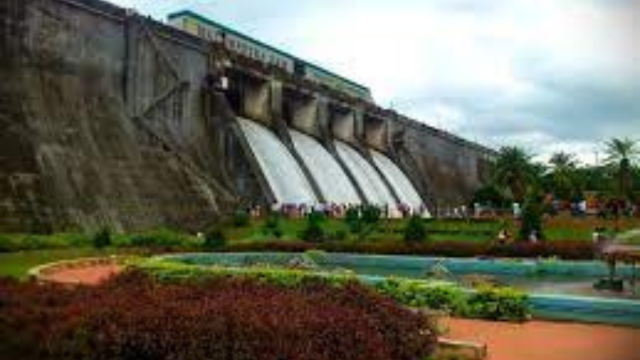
(93, 275)
(538, 340)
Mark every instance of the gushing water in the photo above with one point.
(367, 177)
(286, 179)
(398, 180)
(332, 180)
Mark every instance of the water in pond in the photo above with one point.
(366, 175)
(286, 179)
(332, 180)
(539, 284)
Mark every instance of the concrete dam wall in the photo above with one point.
(111, 119)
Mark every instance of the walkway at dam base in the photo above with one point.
(535, 340)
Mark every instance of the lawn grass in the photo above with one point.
(18, 264)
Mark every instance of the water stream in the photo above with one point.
(368, 179)
(398, 180)
(285, 177)
(331, 179)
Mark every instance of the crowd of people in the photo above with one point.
(334, 210)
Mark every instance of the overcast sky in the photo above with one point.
(548, 75)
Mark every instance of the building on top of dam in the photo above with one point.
(206, 28)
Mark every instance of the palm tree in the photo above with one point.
(622, 156)
(564, 178)
(513, 169)
(562, 160)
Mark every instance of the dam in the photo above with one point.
(110, 118)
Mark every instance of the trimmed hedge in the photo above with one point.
(136, 318)
(494, 303)
(486, 302)
(568, 250)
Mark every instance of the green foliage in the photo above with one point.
(513, 169)
(494, 303)
(214, 238)
(241, 219)
(532, 213)
(272, 225)
(30, 242)
(415, 230)
(425, 294)
(102, 238)
(341, 235)
(490, 195)
(371, 215)
(352, 218)
(363, 221)
(487, 302)
(313, 231)
(161, 239)
(172, 271)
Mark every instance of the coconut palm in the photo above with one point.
(513, 169)
(564, 177)
(622, 156)
(562, 161)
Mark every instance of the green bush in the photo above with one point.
(352, 219)
(102, 238)
(163, 239)
(241, 219)
(313, 231)
(272, 225)
(214, 239)
(371, 214)
(341, 235)
(28, 242)
(532, 213)
(415, 230)
(421, 294)
(172, 271)
(497, 303)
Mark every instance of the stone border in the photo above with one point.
(44, 273)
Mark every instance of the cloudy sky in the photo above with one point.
(548, 75)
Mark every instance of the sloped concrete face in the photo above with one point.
(449, 170)
(71, 154)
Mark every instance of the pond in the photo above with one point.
(541, 277)
(558, 290)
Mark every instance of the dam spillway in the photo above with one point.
(403, 187)
(334, 183)
(284, 175)
(368, 179)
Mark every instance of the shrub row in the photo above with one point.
(485, 302)
(136, 318)
(493, 303)
(569, 250)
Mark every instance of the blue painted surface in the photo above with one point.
(372, 268)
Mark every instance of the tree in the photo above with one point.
(622, 157)
(415, 230)
(532, 213)
(513, 169)
(565, 183)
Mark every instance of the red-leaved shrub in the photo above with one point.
(136, 318)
